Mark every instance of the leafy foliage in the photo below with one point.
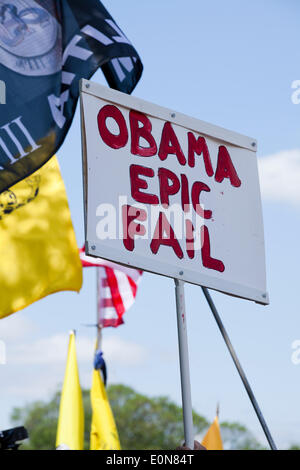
(148, 423)
(294, 447)
(237, 437)
(143, 422)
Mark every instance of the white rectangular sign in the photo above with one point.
(170, 194)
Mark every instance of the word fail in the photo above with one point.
(190, 199)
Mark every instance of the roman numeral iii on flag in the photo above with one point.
(46, 47)
(117, 289)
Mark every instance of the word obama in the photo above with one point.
(170, 183)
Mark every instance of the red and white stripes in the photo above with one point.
(117, 288)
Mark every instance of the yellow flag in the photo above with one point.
(212, 439)
(104, 434)
(38, 249)
(70, 428)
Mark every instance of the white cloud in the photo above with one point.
(15, 327)
(35, 369)
(123, 352)
(53, 350)
(280, 176)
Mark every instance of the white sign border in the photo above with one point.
(96, 249)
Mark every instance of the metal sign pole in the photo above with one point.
(99, 328)
(239, 368)
(184, 365)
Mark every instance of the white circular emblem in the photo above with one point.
(30, 38)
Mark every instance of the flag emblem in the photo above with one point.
(44, 52)
(11, 200)
(30, 38)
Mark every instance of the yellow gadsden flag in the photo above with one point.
(70, 428)
(38, 249)
(104, 434)
(212, 439)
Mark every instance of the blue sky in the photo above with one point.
(230, 63)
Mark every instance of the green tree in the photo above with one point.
(235, 436)
(148, 423)
(143, 422)
(294, 447)
(40, 419)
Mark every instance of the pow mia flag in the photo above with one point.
(46, 47)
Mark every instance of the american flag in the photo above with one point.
(117, 288)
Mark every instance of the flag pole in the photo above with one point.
(184, 365)
(99, 328)
(239, 368)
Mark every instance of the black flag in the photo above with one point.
(46, 47)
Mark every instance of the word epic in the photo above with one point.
(170, 183)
